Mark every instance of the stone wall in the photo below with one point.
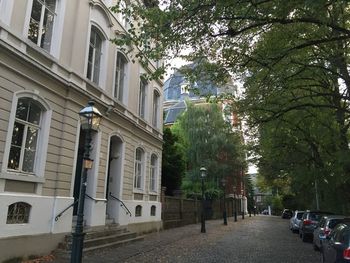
(179, 211)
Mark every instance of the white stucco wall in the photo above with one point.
(125, 219)
(42, 215)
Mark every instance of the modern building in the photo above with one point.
(55, 56)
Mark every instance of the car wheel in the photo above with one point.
(315, 247)
(300, 235)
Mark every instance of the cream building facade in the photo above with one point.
(55, 55)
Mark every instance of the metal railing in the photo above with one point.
(94, 199)
(71, 205)
(121, 204)
(76, 201)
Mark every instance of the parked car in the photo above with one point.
(336, 247)
(324, 229)
(286, 214)
(265, 212)
(295, 221)
(309, 222)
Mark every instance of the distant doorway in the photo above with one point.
(114, 176)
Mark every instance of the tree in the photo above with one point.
(173, 162)
(210, 142)
(293, 58)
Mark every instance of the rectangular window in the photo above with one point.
(95, 54)
(155, 110)
(138, 168)
(41, 23)
(120, 76)
(142, 97)
(153, 173)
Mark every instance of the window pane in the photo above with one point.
(14, 157)
(138, 154)
(33, 33)
(89, 70)
(34, 114)
(28, 161)
(17, 134)
(46, 34)
(32, 135)
(18, 213)
(22, 109)
(51, 5)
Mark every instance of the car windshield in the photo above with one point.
(333, 222)
(299, 215)
(315, 217)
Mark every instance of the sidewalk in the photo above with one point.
(181, 240)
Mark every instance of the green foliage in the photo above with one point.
(208, 141)
(173, 162)
(293, 58)
(250, 193)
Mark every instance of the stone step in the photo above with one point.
(62, 255)
(114, 244)
(101, 233)
(102, 240)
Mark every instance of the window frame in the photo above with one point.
(90, 74)
(139, 168)
(18, 206)
(42, 141)
(156, 108)
(45, 13)
(27, 126)
(142, 97)
(116, 85)
(57, 29)
(153, 173)
(120, 17)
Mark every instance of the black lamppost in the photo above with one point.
(234, 200)
(90, 118)
(203, 175)
(242, 203)
(223, 181)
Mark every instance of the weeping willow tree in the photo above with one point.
(209, 142)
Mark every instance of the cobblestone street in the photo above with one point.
(256, 239)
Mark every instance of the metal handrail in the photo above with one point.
(121, 203)
(96, 200)
(60, 214)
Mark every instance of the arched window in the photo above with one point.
(120, 76)
(138, 210)
(153, 210)
(95, 56)
(155, 110)
(25, 136)
(18, 213)
(139, 168)
(154, 173)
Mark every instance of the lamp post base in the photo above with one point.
(225, 218)
(202, 224)
(77, 247)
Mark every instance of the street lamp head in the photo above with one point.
(90, 117)
(203, 172)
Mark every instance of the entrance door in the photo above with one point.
(113, 187)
